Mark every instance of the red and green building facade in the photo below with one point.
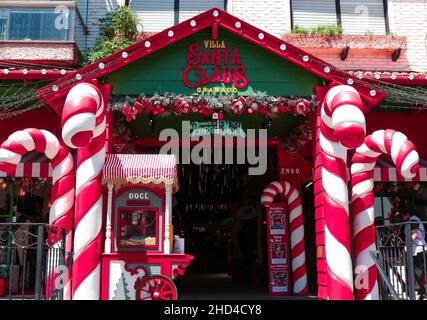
(212, 62)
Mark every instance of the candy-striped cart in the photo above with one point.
(139, 262)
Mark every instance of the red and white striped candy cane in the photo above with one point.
(296, 221)
(83, 127)
(342, 127)
(404, 156)
(63, 179)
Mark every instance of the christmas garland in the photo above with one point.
(122, 135)
(207, 105)
(298, 137)
(157, 105)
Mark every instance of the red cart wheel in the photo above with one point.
(156, 288)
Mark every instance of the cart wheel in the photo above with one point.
(156, 288)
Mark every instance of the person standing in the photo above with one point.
(419, 248)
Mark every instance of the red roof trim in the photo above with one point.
(203, 21)
(410, 78)
(30, 74)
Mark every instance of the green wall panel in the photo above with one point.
(161, 71)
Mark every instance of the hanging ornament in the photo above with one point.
(302, 108)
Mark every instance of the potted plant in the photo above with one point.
(333, 36)
(4, 280)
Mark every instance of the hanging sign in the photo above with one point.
(212, 62)
(220, 127)
(278, 250)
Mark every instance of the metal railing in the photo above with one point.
(31, 255)
(401, 273)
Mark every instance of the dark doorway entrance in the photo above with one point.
(218, 212)
(223, 241)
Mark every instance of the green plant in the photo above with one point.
(369, 33)
(323, 29)
(327, 29)
(118, 30)
(300, 30)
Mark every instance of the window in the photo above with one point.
(355, 16)
(361, 16)
(138, 227)
(161, 14)
(3, 20)
(154, 15)
(36, 24)
(190, 8)
(309, 13)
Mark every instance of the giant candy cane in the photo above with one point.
(342, 127)
(83, 127)
(63, 179)
(299, 274)
(404, 156)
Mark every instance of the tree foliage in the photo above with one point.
(118, 30)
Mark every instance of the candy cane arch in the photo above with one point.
(342, 127)
(299, 273)
(83, 127)
(404, 156)
(63, 179)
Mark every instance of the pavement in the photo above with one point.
(219, 286)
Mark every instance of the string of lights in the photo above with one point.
(408, 95)
(17, 98)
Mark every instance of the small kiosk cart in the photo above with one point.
(139, 262)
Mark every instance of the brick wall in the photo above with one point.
(409, 18)
(364, 60)
(272, 16)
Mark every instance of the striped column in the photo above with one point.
(83, 127)
(404, 156)
(342, 127)
(62, 194)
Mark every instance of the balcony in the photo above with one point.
(53, 53)
(342, 44)
(47, 31)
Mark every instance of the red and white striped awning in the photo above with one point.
(32, 165)
(157, 169)
(386, 171)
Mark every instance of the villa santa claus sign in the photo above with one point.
(213, 63)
